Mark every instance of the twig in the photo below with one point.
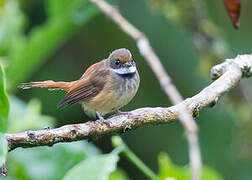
(229, 73)
(126, 151)
(165, 81)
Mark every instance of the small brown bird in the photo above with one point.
(105, 87)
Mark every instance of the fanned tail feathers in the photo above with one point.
(47, 84)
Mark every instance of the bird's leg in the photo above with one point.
(99, 116)
(101, 119)
(118, 112)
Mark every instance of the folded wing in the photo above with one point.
(88, 86)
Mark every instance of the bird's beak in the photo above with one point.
(128, 64)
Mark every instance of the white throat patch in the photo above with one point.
(125, 70)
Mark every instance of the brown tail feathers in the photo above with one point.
(47, 84)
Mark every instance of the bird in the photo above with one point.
(104, 88)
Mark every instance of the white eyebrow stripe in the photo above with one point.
(125, 70)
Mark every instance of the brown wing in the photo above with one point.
(88, 86)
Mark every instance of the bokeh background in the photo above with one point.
(59, 39)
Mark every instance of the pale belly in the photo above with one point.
(110, 100)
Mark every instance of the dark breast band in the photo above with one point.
(128, 75)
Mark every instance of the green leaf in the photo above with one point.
(11, 26)
(47, 163)
(118, 174)
(4, 103)
(168, 170)
(3, 149)
(59, 8)
(25, 116)
(210, 174)
(45, 39)
(97, 167)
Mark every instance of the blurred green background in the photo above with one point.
(59, 39)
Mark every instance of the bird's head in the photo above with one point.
(121, 62)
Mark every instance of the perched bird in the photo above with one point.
(105, 87)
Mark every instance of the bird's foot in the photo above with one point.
(118, 112)
(101, 119)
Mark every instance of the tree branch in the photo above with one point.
(228, 74)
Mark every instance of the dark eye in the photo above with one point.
(117, 62)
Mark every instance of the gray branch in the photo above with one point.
(227, 75)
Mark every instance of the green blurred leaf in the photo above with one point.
(168, 170)
(118, 175)
(59, 8)
(4, 103)
(45, 39)
(25, 116)
(3, 149)
(210, 174)
(97, 167)
(11, 26)
(46, 163)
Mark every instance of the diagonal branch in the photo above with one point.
(228, 74)
(165, 81)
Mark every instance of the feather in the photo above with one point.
(87, 87)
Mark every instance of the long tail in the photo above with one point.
(47, 84)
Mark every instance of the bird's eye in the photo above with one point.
(117, 62)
